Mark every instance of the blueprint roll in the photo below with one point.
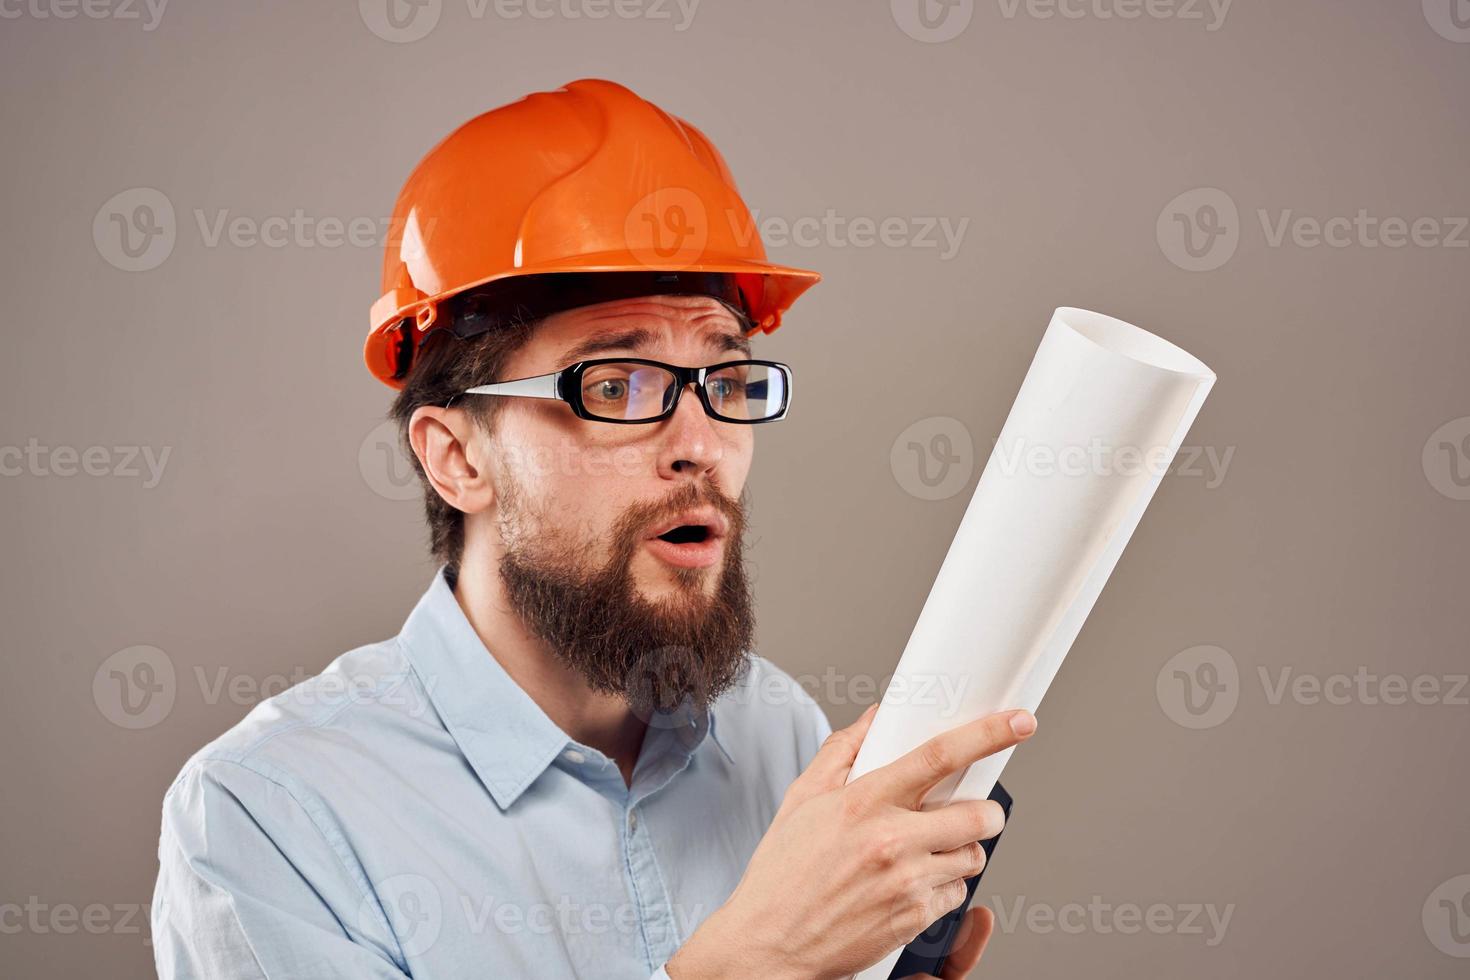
(1099, 417)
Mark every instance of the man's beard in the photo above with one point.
(689, 643)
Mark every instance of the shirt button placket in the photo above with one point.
(653, 900)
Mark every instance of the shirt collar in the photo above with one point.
(506, 736)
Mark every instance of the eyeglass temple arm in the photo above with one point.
(542, 386)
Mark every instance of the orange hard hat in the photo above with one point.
(588, 179)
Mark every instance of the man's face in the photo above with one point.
(580, 506)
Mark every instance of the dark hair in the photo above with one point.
(442, 369)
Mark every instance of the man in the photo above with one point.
(568, 763)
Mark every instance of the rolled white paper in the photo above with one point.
(1099, 417)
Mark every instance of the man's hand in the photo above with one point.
(847, 873)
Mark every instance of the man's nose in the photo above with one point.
(691, 447)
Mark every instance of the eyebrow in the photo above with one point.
(640, 338)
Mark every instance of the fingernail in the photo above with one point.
(1023, 723)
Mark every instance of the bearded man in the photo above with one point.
(570, 762)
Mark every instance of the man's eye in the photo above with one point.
(610, 390)
(724, 387)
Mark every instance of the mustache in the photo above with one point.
(627, 531)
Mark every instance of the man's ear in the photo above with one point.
(449, 445)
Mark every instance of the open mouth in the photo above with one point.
(686, 534)
(695, 541)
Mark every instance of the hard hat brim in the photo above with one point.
(781, 285)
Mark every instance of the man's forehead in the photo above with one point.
(644, 323)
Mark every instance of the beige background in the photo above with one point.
(272, 542)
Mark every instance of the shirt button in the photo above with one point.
(632, 821)
(572, 755)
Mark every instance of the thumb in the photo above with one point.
(970, 944)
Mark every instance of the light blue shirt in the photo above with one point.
(412, 812)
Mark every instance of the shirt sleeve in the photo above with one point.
(250, 886)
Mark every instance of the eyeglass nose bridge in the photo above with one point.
(683, 378)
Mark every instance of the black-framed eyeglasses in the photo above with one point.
(632, 390)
